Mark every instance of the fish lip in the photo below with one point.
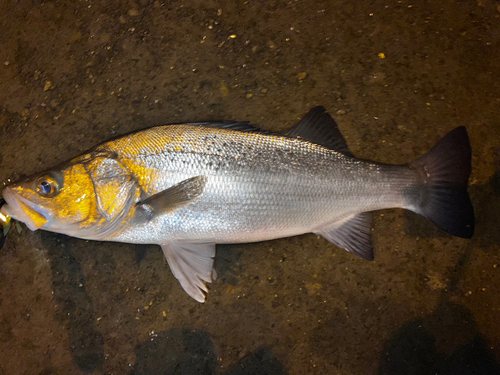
(15, 210)
(12, 203)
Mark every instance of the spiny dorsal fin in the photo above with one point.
(317, 126)
(242, 126)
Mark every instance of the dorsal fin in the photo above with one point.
(242, 126)
(317, 126)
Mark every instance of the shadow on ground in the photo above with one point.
(182, 351)
(446, 342)
(86, 342)
(175, 351)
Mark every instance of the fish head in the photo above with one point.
(85, 198)
(56, 200)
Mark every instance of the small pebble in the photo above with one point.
(133, 12)
(249, 96)
(224, 89)
(381, 55)
(302, 76)
(47, 86)
(264, 91)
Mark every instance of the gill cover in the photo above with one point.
(113, 185)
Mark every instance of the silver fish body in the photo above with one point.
(187, 187)
(257, 187)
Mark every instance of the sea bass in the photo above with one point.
(188, 187)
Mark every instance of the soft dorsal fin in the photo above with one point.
(317, 126)
(352, 233)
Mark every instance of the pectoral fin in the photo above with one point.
(352, 233)
(192, 264)
(172, 198)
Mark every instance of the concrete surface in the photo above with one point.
(397, 76)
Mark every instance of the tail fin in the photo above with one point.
(442, 195)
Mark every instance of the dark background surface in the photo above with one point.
(396, 75)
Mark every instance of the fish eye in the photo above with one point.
(47, 186)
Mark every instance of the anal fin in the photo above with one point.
(192, 264)
(352, 233)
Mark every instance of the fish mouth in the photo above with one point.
(23, 210)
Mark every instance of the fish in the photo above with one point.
(190, 186)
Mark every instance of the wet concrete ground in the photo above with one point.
(396, 75)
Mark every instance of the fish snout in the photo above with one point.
(22, 209)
